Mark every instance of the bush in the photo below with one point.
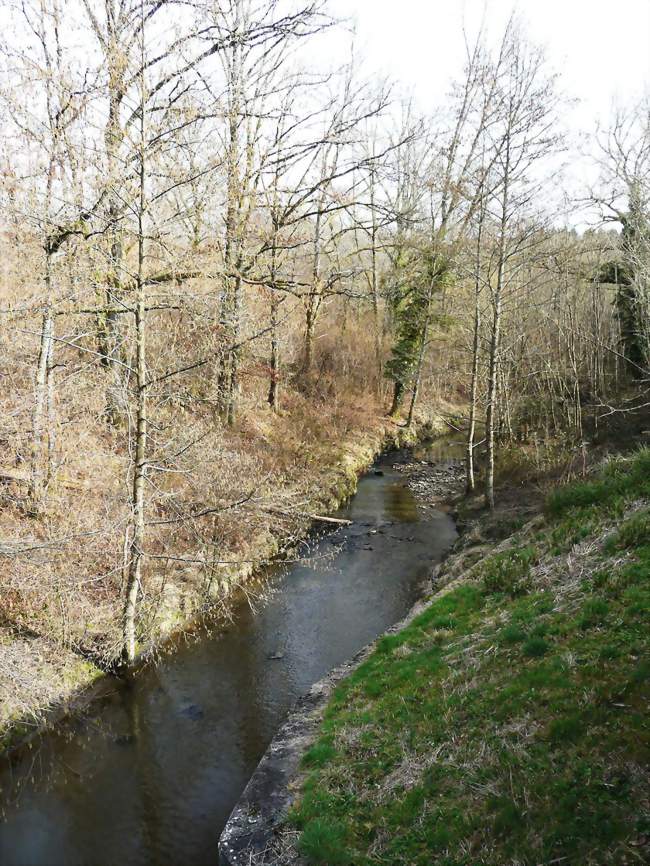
(511, 634)
(580, 495)
(566, 729)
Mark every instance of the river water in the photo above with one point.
(150, 776)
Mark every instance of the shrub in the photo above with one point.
(389, 642)
(580, 495)
(511, 634)
(507, 818)
(566, 729)
(609, 653)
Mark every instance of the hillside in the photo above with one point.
(60, 612)
(508, 723)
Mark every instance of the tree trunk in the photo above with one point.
(42, 418)
(398, 394)
(140, 463)
(139, 478)
(309, 338)
(493, 391)
(421, 353)
(235, 351)
(275, 356)
(312, 299)
(414, 397)
(476, 344)
(227, 383)
(495, 341)
(137, 500)
(374, 282)
(109, 341)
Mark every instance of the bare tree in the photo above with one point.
(623, 196)
(48, 127)
(524, 135)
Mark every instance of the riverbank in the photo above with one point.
(41, 680)
(154, 770)
(506, 722)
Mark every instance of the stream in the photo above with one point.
(150, 775)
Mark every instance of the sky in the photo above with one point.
(601, 47)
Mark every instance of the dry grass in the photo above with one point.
(220, 500)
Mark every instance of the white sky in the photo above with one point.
(601, 47)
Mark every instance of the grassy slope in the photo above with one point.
(508, 724)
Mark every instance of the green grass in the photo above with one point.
(324, 842)
(509, 572)
(508, 723)
(634, 532)
(319, 754)
(620, 481)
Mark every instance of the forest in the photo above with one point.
(227, 259)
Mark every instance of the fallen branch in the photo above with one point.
(337, 520)
(13, 477)
(320, 517)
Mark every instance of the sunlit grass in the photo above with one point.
(508, 723)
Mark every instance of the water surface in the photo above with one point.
(151, 777)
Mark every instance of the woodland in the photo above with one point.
(225, 258)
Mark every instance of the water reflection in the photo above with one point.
(399, 504)
(447, 451)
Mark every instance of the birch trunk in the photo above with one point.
(476, 345)
(495, 340)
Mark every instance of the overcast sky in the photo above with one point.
(601, 47)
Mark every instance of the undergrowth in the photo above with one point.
(508, 723)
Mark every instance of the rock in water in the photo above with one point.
(192, 711)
